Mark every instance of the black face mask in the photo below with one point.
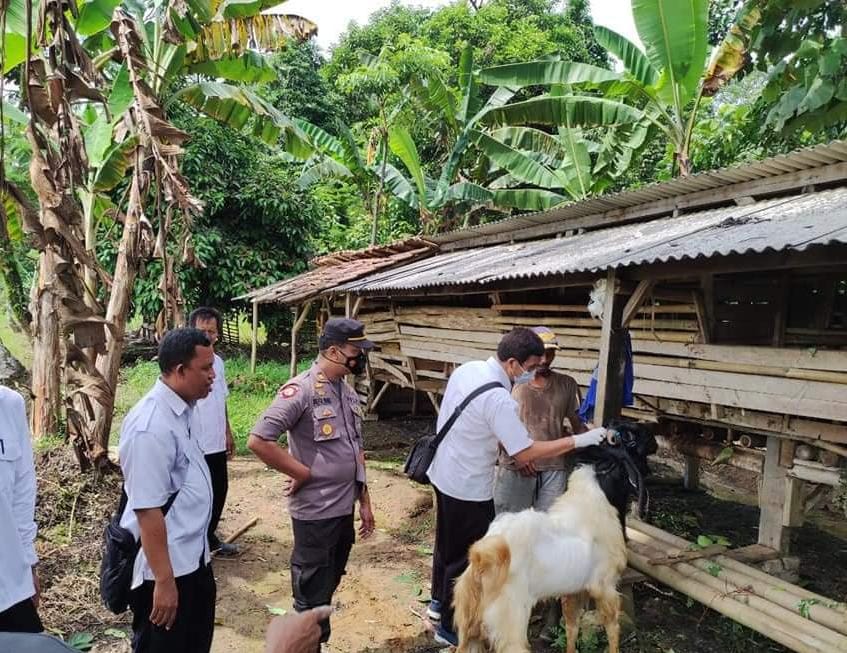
(356, 364)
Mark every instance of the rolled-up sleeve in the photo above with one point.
(506, 423)
(23, 506)
(285, 411)
(147, 459)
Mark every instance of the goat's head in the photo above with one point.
(621, 465)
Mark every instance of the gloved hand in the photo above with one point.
(589, 438)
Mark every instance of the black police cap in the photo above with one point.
(342, 330)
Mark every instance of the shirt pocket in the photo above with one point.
(10, 453)
(326, 423)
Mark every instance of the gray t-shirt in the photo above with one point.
(31, 643)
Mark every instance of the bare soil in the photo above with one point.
(380, 603)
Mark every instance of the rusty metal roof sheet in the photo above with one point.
(793, 223)
(337, 268)
(759, 173)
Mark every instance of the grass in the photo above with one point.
(250, 394)
(17, 343)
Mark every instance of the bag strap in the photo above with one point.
(461, 407)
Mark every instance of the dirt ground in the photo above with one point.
(381, 600)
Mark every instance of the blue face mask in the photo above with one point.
(525, 376)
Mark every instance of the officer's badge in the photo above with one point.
(327, 412)
(326, 429)
(321, 376)
(289, 391)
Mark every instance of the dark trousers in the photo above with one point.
(195, 618)
(220, 486)
(318, 561)
(21, 618)
(458, 524)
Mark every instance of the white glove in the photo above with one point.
(589, 438)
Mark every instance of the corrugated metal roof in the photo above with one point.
(793, 223)
(799, 160)
(338, 268)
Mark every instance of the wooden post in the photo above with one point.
(295, 327)
(254, 337)
(348, 305)
(610, 366)
(691, 473)
(771, 499)
(636, 300)
(793, 506)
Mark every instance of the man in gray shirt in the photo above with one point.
(325, 460)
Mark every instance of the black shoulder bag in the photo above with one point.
(119, 553)
(423, 450)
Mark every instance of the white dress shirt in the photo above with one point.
(158, 457)
(463, 467)
(17, 502)
(208, 419)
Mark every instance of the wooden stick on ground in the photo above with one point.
(250, 524)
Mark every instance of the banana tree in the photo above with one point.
(664, 83)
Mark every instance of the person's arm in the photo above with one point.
(148, 459)
(230, 441)
(553, 448)
(154, 542)
(366, 513)
(572, 412)
(23, 502)
(285, 411)
(296, 633)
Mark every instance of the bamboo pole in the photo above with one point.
(804, 630)
(254, 337)
(766, 588)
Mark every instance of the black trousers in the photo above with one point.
(458, 524)
(220, 486)
(318, 561)
(21, 618)
(195, 618)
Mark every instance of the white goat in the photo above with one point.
(574, 551)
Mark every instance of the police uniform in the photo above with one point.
(324, 424)
(160, 459)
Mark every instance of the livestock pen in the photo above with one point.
(732, 288)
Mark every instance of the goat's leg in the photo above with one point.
(572, 607)
(509, 633)
(609, 607)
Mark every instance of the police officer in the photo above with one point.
(325, 461)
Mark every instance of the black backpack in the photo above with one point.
(120, 548)
(423, 450)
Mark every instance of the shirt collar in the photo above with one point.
(500, 373)
(176, 403)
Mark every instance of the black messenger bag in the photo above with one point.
(423, 450)
(119, 553)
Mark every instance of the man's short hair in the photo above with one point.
(178, 348)
(205, 313)
(520, 343)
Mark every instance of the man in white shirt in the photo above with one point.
(462, 471)
(18, 578)
(210, 425)
(170, 503)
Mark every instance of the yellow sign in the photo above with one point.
(327, 429)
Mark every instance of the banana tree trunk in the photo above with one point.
(11, 275)
(46, 353)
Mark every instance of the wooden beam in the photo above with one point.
(378, 396)
(434, 402)
(254, 337)
(611, 362)
(793, 507)
(771, 499)
(348, 305)
(357, 306)
(691, 473)
(636, 300)
(300, 314)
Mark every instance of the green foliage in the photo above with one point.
(714, 569)
(249, 395)
(81, 641)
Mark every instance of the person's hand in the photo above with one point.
(230, 445)
(527, 469)
(589, 438)
(292, 485)
(366, 529)
(165, 601)
(36, 598)
(296, 633)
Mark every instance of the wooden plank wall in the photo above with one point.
(797, 392)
